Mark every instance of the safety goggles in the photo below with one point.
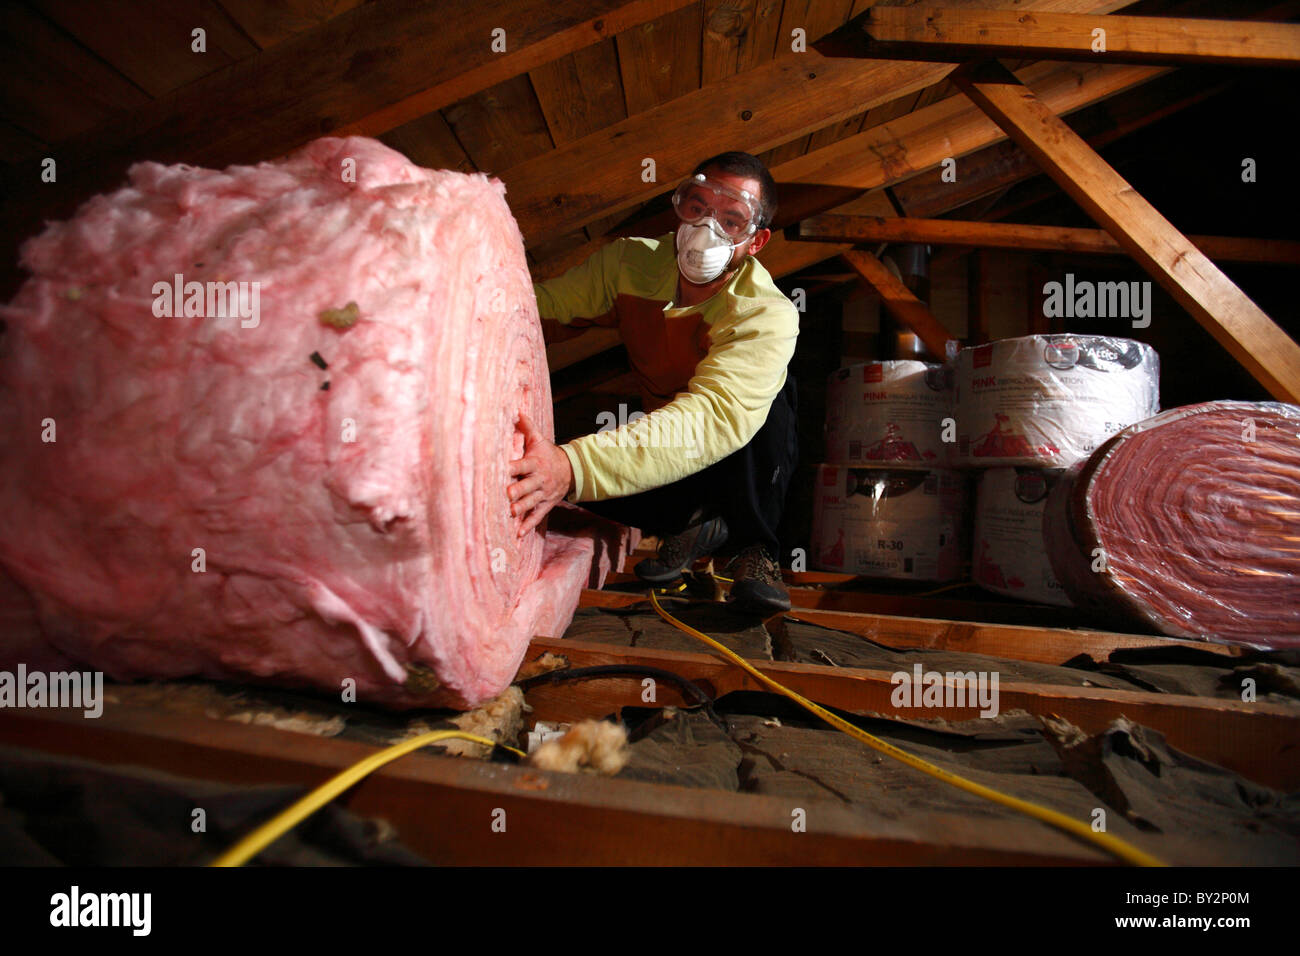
(700, 198)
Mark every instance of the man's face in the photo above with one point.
(725, 205)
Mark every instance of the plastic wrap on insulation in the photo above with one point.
(1188, 523)
(888, 414)
(890, 523)
(1049, 400)
(1009, 554)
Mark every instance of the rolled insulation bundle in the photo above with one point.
(1009, 554)
(1049, 400)
(1188, 523)
(889, 523)
(888, 414)
(304, 480)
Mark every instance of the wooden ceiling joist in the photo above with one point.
(1005, 235)
(1237, 323)
(900, 302)
(1252, 739)
(950, 33)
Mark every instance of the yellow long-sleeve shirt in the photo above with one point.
(708, 373)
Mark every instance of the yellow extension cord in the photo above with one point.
(287, 819)
(1120, 848)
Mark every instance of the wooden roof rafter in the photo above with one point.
(1005, 235)
(914, 143)
(364, 72)
(859, 165)
(1240, 326)
(952, 34)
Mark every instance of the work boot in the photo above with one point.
(679, 551)
(757, 587)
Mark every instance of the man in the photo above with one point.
(709, 338)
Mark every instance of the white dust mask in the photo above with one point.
(703, 251)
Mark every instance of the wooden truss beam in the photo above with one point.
(1003, 164)
(953, 34)
(842, 176)
(363, 72)
(1237, 323)
(1005, 235)
(918, 142)
(899, 302)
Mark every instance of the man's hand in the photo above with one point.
(545, 477)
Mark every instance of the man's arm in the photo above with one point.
(544, 476)
(585, 292)
(724, 405)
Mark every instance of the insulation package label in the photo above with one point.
(891, 523)
(888, 414)
(1010, 555)
(1050, 400)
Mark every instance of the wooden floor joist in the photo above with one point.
(1257, 740)
(829, 591)
(623, 589)
(560, 818)
(444, 807)
(1044, 645)
(911, 618)
(1237, 323)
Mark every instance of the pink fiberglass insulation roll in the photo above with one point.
(307, 486)
(1189, 523)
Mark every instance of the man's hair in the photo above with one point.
(751, 167)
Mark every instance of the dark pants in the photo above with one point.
(747, 488)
